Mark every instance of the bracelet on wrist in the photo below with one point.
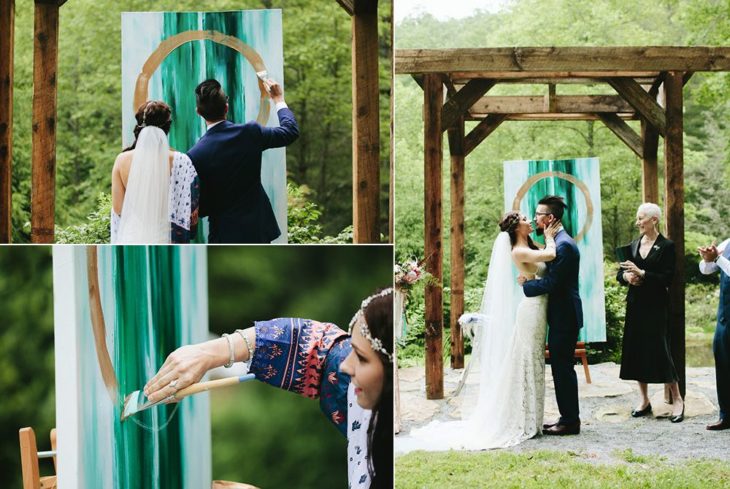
(248, 344)
(231, 356)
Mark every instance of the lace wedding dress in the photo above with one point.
(510, 376)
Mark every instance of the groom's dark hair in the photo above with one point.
(556, 204)
(211, 100)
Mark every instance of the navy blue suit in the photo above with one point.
(228, 161)
(721, 343)
(565, 317)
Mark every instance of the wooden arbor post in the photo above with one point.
(365, 120)
(433, 153)
(674, 209)
(456, 149)
(45, 76)
(7, 37)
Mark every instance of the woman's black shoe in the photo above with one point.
(678, 418)
(637, 413)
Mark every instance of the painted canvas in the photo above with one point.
(578, 181)
(118, 312)
(165, 55)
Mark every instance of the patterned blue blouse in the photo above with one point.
(304, 356)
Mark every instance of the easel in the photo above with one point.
(29, 456)
(580, 352)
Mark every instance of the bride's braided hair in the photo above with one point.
(509, 223)
(151, 113)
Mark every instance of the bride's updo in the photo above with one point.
(509, 223)
(151, 113)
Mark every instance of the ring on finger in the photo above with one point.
(173, 384)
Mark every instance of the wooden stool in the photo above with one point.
(29, 456)
(580, 352)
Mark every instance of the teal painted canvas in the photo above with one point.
(579, 182)
(119, 311)
(165, 55)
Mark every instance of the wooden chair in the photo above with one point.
(580, 352)
(29, 456)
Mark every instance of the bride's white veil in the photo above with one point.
(145, 212)
(495, 333)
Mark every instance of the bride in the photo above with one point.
(508, 357)
(155, 190)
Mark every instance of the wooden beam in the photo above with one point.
(45, 73)
(624, 132)
(535, 104)
(456, 106)
(7, 43)
(649, 169)
(481, 131)
(365, 129)
(552, 117)
(674, 210)
(391, 183)
(419, 80)
(563, 59)
(560, 78)
(456, 149)
(29, 459)
(433, 155)
(348, 5)
(639, 99)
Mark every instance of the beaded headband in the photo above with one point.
(375, 343)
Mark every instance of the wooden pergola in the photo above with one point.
(647, 83)
(365, 119)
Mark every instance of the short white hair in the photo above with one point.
(650, 210)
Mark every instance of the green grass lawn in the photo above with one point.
(546, 469)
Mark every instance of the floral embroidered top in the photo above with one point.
(304, 356)
(183, 202)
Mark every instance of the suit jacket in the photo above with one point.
(228, 161)
(565, 309)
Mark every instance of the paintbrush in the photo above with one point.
(264, 76)
(137, 401)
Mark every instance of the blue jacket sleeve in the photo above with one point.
(557, 276)
(285, 134)
(304, 356)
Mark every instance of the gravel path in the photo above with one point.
(607, 429)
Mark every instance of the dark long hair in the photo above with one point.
(509, 223)
(151, 113)
(379, 317)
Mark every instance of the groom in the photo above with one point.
(564, 314)
(228, 161)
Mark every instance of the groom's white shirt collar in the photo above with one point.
(278, 107)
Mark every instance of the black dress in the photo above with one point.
(645, 356)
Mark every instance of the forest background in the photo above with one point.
(570, 23)
(317, 87)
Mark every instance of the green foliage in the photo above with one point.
(538, 469)
(303, 220)
(317, 71)
(95, 230)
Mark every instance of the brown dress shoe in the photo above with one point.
(723, 424)
(563, 429)
(549, 425)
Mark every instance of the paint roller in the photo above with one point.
(137, 401)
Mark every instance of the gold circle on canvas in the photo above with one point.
(522, 191)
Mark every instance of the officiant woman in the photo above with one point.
(648, 273)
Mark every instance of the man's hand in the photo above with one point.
(521, 279)
(708, 253)
(275, 91)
